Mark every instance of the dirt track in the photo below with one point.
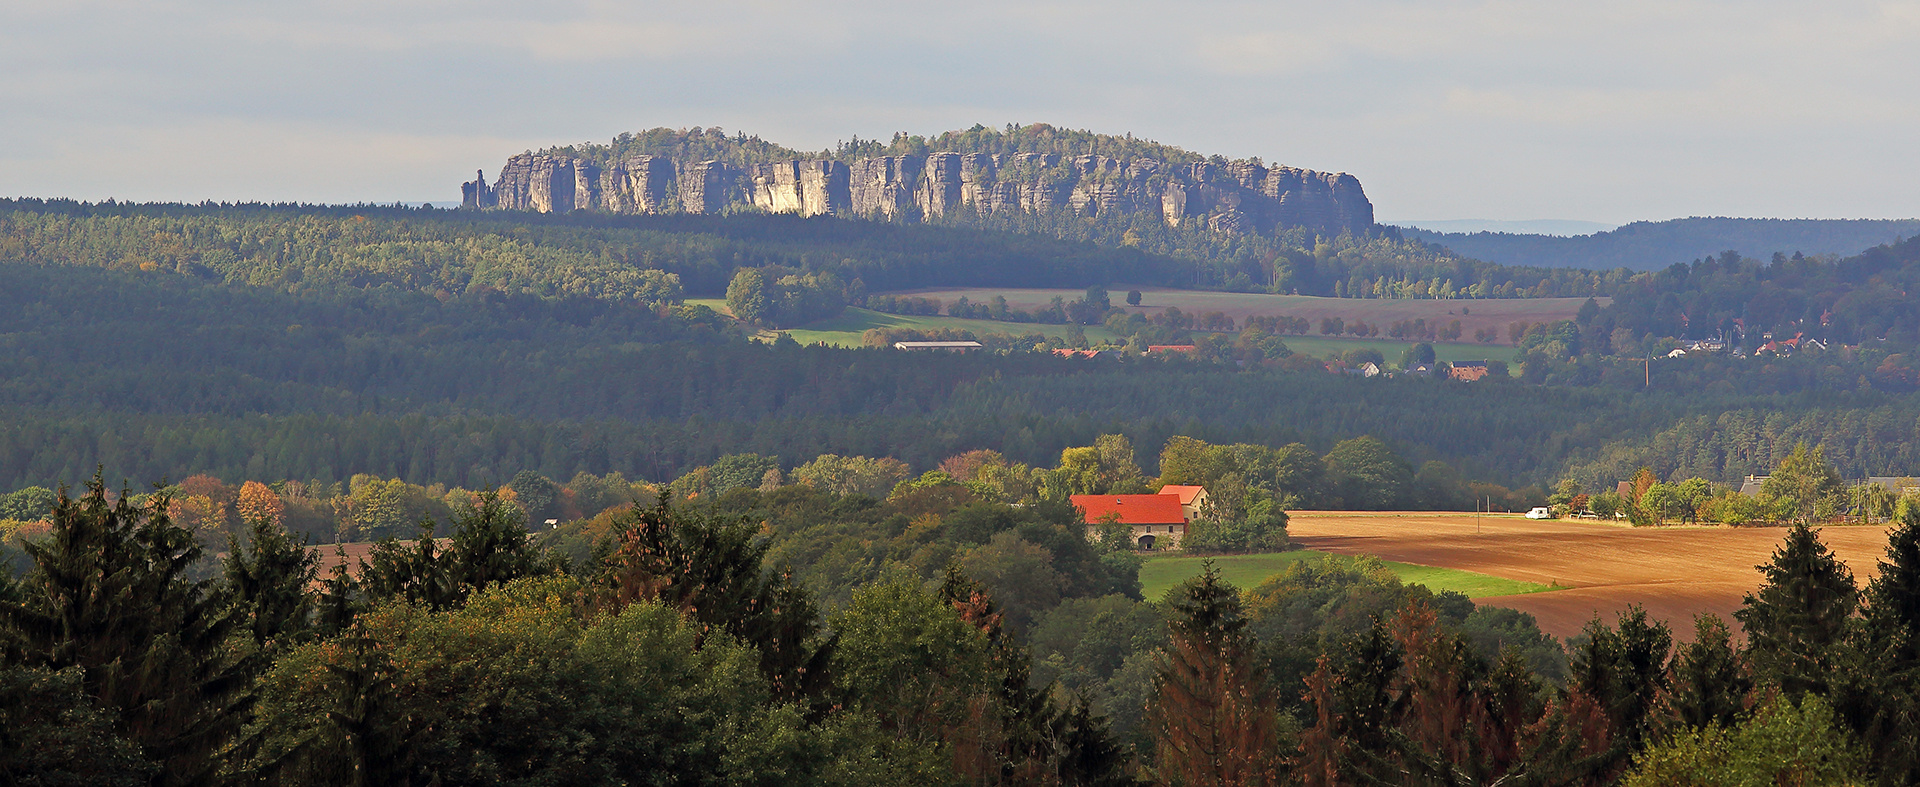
(1675, 573)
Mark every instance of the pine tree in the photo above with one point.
(269, 579)
(1708, 685)
(1036, 739)
(109, 593)
(1212, 715)
(714, 571)
(490, 546)
(1882, 700)
(1799, 619)
(379, 738)
(1623, 669)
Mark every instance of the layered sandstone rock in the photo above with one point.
(1236, 197)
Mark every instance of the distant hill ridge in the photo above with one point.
(1651, 245)
(1036, 169)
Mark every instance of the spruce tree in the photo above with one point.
(714, 570)
(1708, 685)
(269, 578)
(1624, 670)
(1882, 700)
(1213, 715)
(1800, 616)
(109, 593)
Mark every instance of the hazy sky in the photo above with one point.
(1609, 111)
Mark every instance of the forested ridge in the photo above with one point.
(1652, 245)
(288, 342)
(160, 376)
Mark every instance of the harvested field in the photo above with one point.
(1495, 313)
(1675, 572)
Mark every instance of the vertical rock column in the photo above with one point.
(940, 189)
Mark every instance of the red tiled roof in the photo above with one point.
(1077, 353)
(1171, 348)
(1132, 509)
(1184, 492)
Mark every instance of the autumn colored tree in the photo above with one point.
(1212, 714)
(256, 502)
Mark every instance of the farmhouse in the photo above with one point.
(1153, 349)
(1899, 485)
(955, 347)
(1193, 499)
(1468, 371)
(1077, 353)
(1153, 520)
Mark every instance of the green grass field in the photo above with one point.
(1321, 346)
(1162, 573)
(846, 329)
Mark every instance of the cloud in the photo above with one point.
(1484, 108)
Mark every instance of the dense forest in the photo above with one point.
(265, 343)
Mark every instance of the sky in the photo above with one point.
(1601, 112)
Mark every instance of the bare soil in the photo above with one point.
(1675, 572)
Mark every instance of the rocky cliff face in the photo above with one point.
(1236, 197)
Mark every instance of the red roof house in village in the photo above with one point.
(1155, 520)
(1468, 371)
(1193, 499)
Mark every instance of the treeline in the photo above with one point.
(1251, 487)
(956, 640)
(1853, 300)
(1803, 487)
(295, 248)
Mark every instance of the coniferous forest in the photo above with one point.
(771, 563)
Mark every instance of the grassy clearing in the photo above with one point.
(1322, 346)
(845, 331)
(1162, 573)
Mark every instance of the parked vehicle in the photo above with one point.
(1540, 512)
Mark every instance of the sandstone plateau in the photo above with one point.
(1223, 196)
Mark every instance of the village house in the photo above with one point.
(1064, 353)
(1154, 349)
(1153, 521)
(1468, 371)
(1193, 499)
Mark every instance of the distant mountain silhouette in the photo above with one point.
(1650, 245)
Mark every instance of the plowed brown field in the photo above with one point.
(1675, 573)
